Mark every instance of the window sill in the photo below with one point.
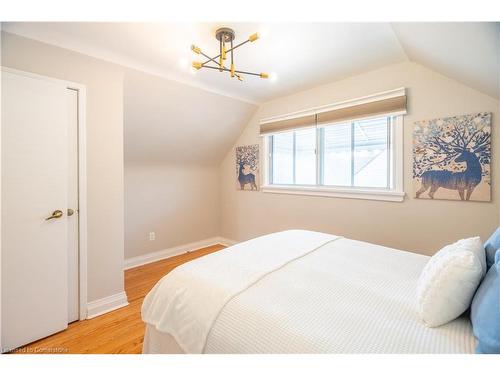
(350, 193)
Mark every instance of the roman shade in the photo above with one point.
(288, 124)
(391, 106)
(389, 103)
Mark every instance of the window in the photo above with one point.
(356, 153)
(294, 157)
(348, 159)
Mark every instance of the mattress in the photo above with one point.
(346, 296)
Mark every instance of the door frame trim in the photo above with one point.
(82, 179)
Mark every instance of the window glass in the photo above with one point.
(337, 155)
(305, 157)
(282, 149)
(371, 164)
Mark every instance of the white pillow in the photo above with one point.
(449, 280)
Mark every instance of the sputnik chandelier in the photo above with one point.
(225, 36)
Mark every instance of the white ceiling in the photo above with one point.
(467, 52)
(301, 55)
(162, 117)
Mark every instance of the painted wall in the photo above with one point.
(175, 137)
(421, 226)
(178, 202)
(104, 84)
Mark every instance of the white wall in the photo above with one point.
(104, 84)
(178, 202)
(418, 225)
(175, 137)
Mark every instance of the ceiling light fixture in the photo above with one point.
(225, 35)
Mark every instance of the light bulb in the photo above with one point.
(263, 33)
(183, 63)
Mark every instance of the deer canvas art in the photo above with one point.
(247, 167)
(451, 158)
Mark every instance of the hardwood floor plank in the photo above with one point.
(120, 331)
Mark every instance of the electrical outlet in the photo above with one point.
(152, 236)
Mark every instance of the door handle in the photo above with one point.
(55, 215)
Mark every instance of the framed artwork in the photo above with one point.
(247, 167)
(452, 157)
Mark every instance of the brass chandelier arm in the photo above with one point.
(236, 71)
(221, 66)
(209, 59)
(232, 62)
(229, 50)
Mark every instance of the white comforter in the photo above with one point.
(300, 292)
(186, 302)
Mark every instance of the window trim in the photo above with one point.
(394, 194)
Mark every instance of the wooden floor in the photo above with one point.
(122, 330)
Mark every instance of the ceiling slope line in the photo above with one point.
(403, 49)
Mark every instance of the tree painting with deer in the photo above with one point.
(247, 167)
(451, 158)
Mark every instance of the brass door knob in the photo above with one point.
(55, 215)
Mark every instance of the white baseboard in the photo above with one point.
(176, 250)
(227, 242)
(106, 304)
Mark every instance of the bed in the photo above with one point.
(297, 292)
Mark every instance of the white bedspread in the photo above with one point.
(186, 302)
(336, 296)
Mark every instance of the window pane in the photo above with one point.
(305, 157)
(282, 158)
(352, 154)
(337, 155)
(370, 153)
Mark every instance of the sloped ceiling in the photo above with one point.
(175, 116)
(167, 121)
(466, 52)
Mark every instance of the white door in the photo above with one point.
(34, 221)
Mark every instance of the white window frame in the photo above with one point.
(394, 194)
